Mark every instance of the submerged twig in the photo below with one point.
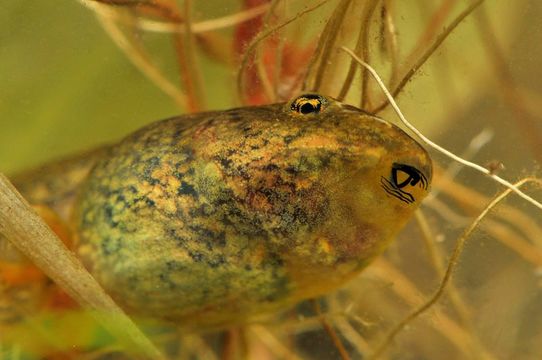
(27, 231)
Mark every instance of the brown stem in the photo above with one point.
(365, 100)
(184, 45)
(330, 331)
(427, 54)
(390, 35)
(361, 45)
(262, 36)
(191, 74)
(435, 23)
(528, 124)
(27, 231)
(325, 46)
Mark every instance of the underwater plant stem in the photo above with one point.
(344, 327)
(435, 255)
(352, 336)
(140, 59)
(259, 57)
(263, 35)
(330, 331)
(363, 48)
(477, 143)
(435, 23)
(390, 36)
(273, 343)
(204, 25)
(20, 225)
(405, 289)
(527, 227)
(365, 100)
(452, 263)
(191, 74)
(427, 54)
(434, 145)
(213, 44)
(463, 312)
(528, 122)
(196, 347)
(185, 49)
(184, 45)
(325, 45)
(234, 344)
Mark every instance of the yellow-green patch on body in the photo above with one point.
(216, 218)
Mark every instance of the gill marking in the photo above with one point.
(394, 191)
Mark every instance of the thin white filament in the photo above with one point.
(434, 145)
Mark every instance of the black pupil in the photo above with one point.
(413, 175)
(309, 107)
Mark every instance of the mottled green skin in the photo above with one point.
(214, 218)
(218, 218)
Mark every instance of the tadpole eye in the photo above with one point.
(308, 104)
(403, 175)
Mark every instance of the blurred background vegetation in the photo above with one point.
(66, 87)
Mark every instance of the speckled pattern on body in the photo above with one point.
(216, 218)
